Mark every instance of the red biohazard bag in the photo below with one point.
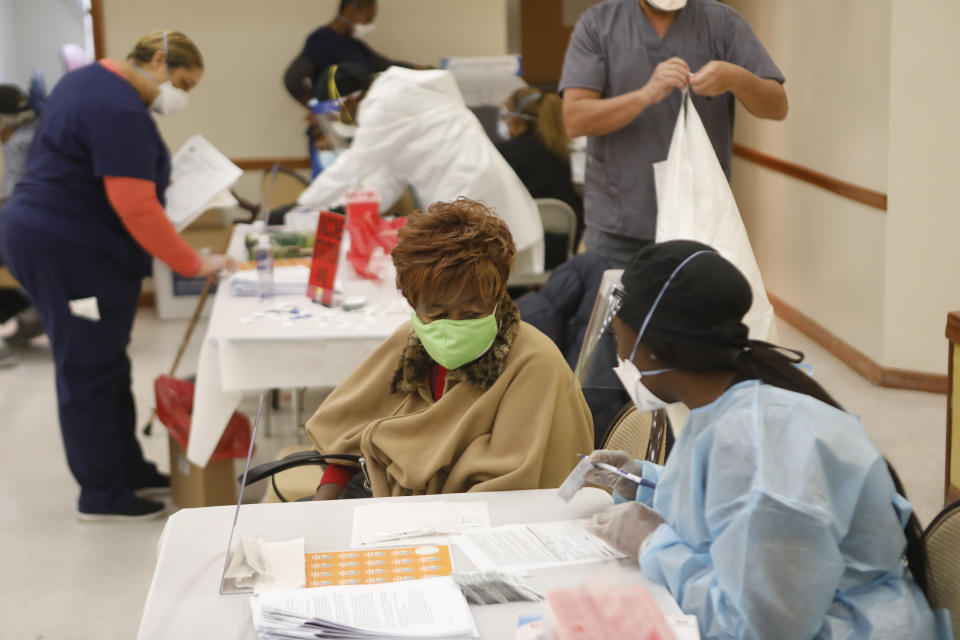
(368, 231)
(175, 407)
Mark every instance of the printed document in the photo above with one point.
(431, 608)
(521, 547)
(199, 173)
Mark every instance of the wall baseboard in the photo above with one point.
(856, 360)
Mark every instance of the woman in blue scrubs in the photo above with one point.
(775, 516)
(79, 233)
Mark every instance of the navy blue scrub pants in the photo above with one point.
(96, 408)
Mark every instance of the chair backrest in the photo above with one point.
(287, 187)
(558, 217)
(942, 539)
(641, 434)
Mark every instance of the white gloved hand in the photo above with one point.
(620, 459)
(625, 526)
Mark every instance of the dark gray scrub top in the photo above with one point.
(614, 50)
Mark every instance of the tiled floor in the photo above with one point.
(63, 579)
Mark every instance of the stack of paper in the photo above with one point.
(433, 608)
(287, 281)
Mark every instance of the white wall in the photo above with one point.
(241, 105)
(821, 253)
(43, 27)
(923, 220)
(8, 43)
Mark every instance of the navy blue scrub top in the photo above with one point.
(94, 124)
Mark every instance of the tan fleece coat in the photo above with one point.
(512, 419)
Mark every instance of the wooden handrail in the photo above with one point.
(848, 190)
(258, 164)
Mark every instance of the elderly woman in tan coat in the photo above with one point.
(466, 396)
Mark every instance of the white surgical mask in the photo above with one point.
(667, 5)
(630, 377)
(632, 381)
(362, 31)
(170, 100)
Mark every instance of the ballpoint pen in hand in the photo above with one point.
(621, 472)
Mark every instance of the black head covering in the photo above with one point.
(348, 77)
(13, 99)
(704, 304)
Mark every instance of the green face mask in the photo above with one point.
(454, 343)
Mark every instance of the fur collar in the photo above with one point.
(414, 366)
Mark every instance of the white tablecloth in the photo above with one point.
(249, 349)
(184, 601)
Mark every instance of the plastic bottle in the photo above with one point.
(264, 252)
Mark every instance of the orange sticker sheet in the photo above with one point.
(372, 566)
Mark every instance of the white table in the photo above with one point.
(243, 352)
(184, 601)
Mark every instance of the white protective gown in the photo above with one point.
(414, 128)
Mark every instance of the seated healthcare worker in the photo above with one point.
(79, 233)
(775, 516)
(414, 129)
(536, 146)
(466, 396)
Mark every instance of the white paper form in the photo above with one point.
(522, 547)
(199, 173)
(431, 608)
(384, 523)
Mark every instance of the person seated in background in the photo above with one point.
(343, 40)
(414, 130)
(775, 516)
(536, 146)
(466, 396)
(18, 123)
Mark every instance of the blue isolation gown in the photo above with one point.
(782, 522)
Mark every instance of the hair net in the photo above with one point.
(703, 304)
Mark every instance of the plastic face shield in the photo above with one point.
(335, 132)
(598, 355)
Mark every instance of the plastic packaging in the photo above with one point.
(265, 266)
(175, 407)
(368, 231)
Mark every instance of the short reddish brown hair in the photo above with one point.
(452, 246)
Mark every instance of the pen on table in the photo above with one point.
(625, 474)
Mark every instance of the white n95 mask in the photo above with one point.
(362, 31)
(632, 381)
(170, 100)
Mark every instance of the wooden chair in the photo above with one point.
(7, 281)
(942, 539)
(641, 434)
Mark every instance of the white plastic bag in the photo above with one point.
(694, 202)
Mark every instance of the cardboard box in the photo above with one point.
(193, 486)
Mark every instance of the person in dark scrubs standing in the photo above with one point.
(343, 40)
(623, 62)
(78, 234)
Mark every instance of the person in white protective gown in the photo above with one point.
(413, 128)
(775, 516)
